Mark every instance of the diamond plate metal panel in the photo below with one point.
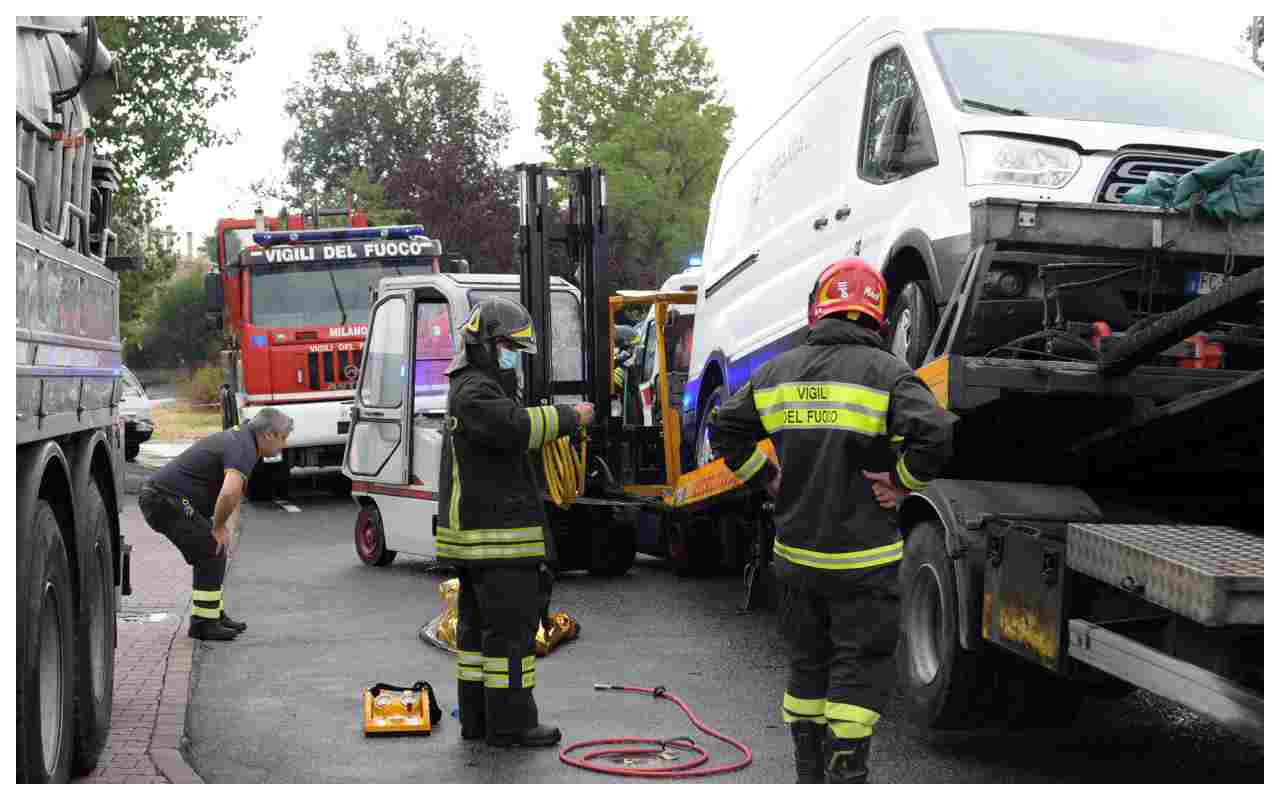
(1211, 574)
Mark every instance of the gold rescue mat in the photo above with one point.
(390, 710)
(442, 631)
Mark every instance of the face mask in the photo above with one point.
(507, 359)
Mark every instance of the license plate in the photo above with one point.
(1204, 282)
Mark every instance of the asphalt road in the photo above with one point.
(282, 702)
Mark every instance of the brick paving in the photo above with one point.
(153, 661)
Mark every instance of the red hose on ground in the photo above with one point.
(689, 769)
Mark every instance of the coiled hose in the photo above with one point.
(566, 470)
(656, 747)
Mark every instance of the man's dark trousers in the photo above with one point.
(499, 608)
(192, 533)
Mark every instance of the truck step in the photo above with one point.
(1209, 573)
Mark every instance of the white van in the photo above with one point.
(891, 133)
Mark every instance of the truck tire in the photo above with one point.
(614, 553)
(702, 454)
(95, 633)
(46, 657)
(371, 538)
(937, 676)
(911, 323)
(131, 450)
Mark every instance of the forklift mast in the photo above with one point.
(584, 235)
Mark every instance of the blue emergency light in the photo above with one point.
(270, 238)
(695, 261)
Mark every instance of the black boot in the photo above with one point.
(808, 739)
(209, 630)
(847, 759)
(537, 736)
(228, 622)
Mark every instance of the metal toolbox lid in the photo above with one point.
(1210, 573)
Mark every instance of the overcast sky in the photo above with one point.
(757, 57)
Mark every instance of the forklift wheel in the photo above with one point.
(615, 553)
(371, 540)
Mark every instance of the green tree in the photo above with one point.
(175, 71)
(172, 334)
(362, 111)
(640, 96)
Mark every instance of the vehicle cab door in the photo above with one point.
(379, 440)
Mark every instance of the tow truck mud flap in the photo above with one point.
(1024, 591)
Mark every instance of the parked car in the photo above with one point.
(135, 408)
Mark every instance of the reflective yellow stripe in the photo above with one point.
(795, 709)
(535, 428)
(205, 613)
(795, 417)
(495, 664)
(487, 552)
(528, 662)
(850, 722)
(908, 480)
(859, 559)
(489, 535)
(470, 674)
(470, 658)
(553, 423)
(456, 494)
(206, 596)
(496, 673)
(748, 470)
(870, 401)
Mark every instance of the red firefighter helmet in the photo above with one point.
(849, 284)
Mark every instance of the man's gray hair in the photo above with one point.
(270, 419)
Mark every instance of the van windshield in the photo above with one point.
(1085, 79)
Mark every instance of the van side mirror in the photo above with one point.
(892, 139)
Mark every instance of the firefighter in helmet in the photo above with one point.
(833, 407)
(492, 526)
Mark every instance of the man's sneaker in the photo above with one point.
(228, 622)
(209, 630)
(537, 736)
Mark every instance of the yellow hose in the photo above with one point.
(566, 470)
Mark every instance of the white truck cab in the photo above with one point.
(394, 422)
(890, 134)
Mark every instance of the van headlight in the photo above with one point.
(995, 159)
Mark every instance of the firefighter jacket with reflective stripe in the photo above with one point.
(833, 407)
(491, 509)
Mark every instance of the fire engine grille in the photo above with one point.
(332, 369)
(1131, 169)
(1210, 573)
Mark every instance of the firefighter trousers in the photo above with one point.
(842, 670)
(192, 533)
(499, 609)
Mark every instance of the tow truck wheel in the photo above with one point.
(937, 676)
(95, 634)
(371, 540)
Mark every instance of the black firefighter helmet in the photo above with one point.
(492, 319)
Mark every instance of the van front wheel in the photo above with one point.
(911, 323)
(703, 454)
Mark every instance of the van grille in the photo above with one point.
(330, 370)
(1131, 169)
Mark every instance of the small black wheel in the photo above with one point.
(371, 540)
(614, 553)
(911, 323)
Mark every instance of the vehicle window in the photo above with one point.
(321, 293)
(649, 367)
(566, 331)
(890, 78)
(386, 367)
(680, 343)
(433, 350)
(1071, 78)
(233, 241)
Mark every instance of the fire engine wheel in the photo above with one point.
(937, 676)
(264, 482)
(46, 677)
(911, 323)
(95, 634)
(371, 540)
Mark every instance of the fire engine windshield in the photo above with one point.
(321, 292)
